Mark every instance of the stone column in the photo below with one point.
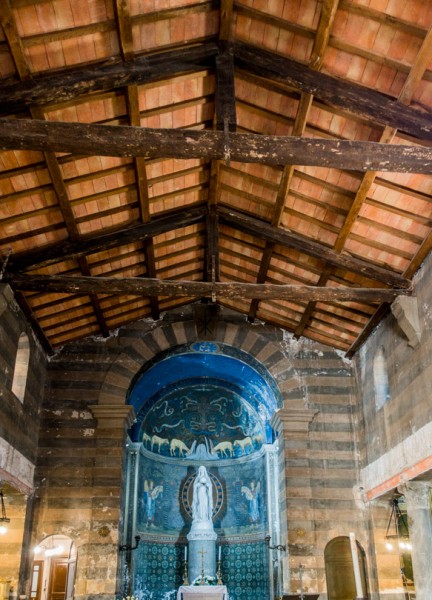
(292, 426)
(417, 498)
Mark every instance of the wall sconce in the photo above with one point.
(129, 546)
(3, 518)
(277, 547)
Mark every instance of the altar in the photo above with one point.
(202, 592)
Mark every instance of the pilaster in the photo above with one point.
(417, 499)
(292, 426)
(99, 557)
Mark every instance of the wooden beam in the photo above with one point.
(119, 140)
(8, 23)
(288, 239)
(225, 102)
(226, 19)
(328, 13)
(405, 96)
(71, 250)
(350, 97)
(160, 287)
(132, 102)
(124, 28)
(73, 83)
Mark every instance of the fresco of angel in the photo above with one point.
(252, 495)
(151, 493)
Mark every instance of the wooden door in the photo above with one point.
(339, 569)
(36, 579)
(58, 579)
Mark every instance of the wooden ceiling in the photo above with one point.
(273, 156)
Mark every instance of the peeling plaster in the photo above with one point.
(406, 454)
(13, 462)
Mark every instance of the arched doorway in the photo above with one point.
(53, 569)
(339, 569)
(201, 404)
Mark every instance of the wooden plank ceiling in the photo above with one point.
(273, 156)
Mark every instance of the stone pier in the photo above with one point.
(417, 498)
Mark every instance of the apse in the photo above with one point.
(201, 404)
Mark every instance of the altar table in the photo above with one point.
(202, 592)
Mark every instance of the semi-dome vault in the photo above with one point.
(203, 401)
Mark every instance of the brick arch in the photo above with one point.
(142, 345)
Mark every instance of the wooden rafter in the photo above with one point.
(328, 12)
(124, 29)
(76, 82)
(59, 187)
(225, 119)
(405, 96)
(255, 227)
(17, 51)
(73, 250)
(358, 100)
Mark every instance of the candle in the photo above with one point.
(220, 551)
(356, 565)
(185, 553)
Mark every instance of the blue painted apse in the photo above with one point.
(201, 404)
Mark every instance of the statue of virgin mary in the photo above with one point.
(202, 501)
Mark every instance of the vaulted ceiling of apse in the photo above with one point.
(203, 402)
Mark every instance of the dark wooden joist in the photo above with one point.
(72, 250)
(265, 231)
(350, 97)
(68, 85)
(119, 140)
(159, 287)
(225, 102)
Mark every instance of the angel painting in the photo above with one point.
(253, 497)
(150, 494)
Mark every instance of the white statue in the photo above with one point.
(202, 502)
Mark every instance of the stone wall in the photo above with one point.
(19, 431)
(396, 443)
(79, 478)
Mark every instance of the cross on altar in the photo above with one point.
(202, 552)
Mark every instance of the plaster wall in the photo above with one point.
(396, 445)
(398, 427)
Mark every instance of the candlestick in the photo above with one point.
(219, 574)
(185, 574)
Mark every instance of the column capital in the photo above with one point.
(417, 493)
(286, 420)
(113, 415)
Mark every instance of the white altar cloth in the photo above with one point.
(202, 592)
